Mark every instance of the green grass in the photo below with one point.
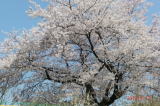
(36, 104)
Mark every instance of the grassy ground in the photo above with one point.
(36, 104)
(152, 102)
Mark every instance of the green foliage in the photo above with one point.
(1, 102)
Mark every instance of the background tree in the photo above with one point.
(96, 49)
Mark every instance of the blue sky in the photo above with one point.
(13, 16)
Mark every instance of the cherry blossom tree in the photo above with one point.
(96, 49)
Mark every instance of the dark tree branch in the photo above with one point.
(70, 6)
(99, 70)
(117, 93)
(47, 75)
(91, 6)
(69, 78)
(90, 91)
(108, 88)
(109, 66)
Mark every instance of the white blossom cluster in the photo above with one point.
(80, 36)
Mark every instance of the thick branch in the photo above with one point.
(90, 91)
(109, 66)
(117, 93)
(68, 78)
